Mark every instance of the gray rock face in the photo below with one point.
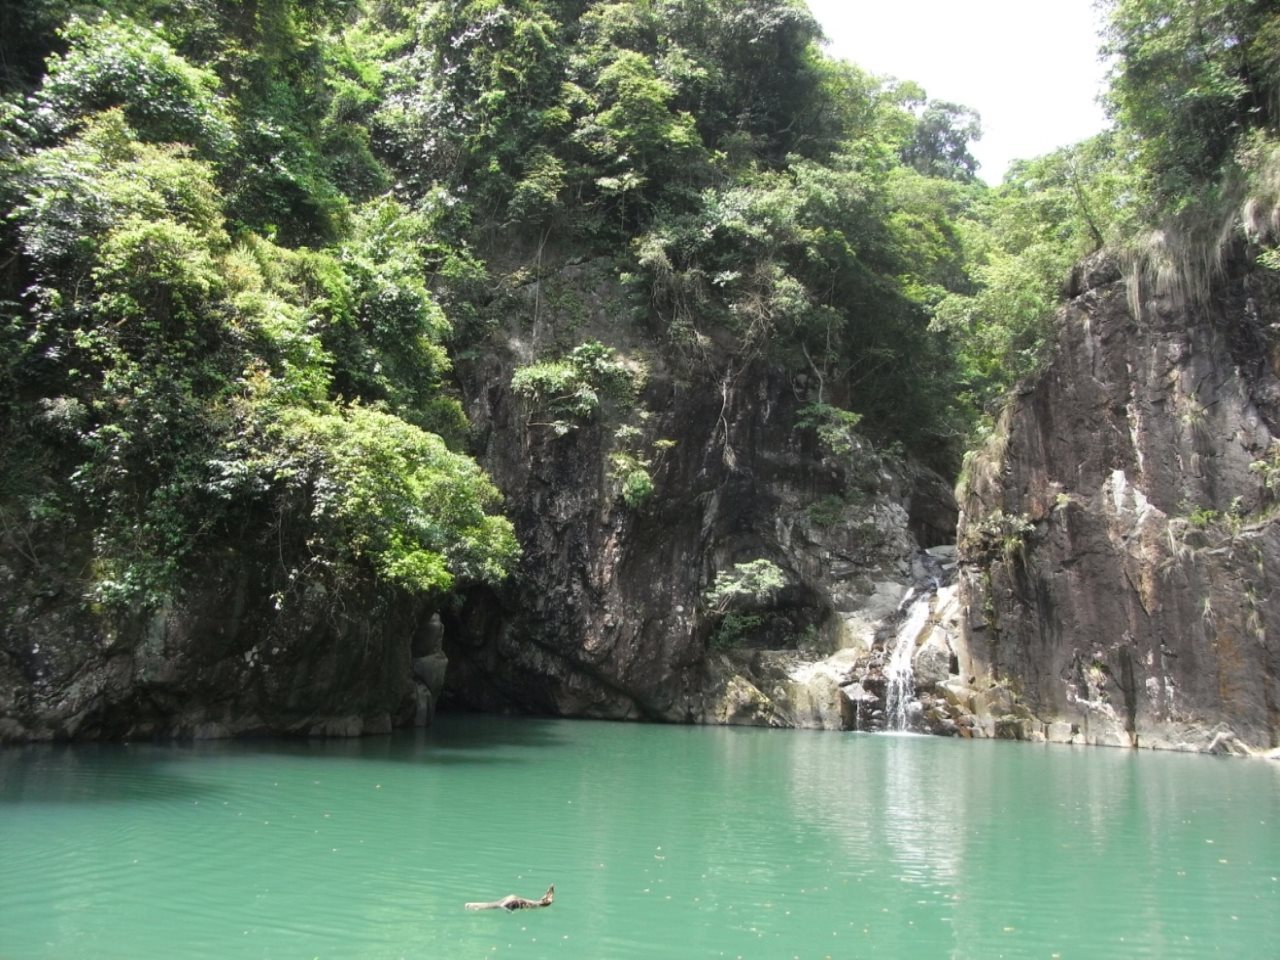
(217, 662)
(1120, 548)
(607, 616)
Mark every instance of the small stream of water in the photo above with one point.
(899, 675)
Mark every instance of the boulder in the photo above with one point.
(430, 671)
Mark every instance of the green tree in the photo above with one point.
(1189, 78)
(113, 62)
(184, 378)
(939, 144)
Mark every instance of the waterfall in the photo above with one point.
(899, 689)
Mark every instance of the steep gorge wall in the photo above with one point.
(1121, 548)
(245, 650)
(607, 615)
(1119, 545)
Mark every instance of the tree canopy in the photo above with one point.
(244, 241)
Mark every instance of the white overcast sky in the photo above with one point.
(1029, 67)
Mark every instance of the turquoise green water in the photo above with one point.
(663, 842)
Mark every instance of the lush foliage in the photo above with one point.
(565, 391)
(756, 581)
(1190, 164)
(182, 380)
(243, 240)
(1189, 80)
(763, 202)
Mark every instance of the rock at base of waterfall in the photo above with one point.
(1227, 744)
(817, 704)
(1010, 727)
(932, 664)
(859, 695)
(997, 700)
(1060, 732)
(743, 704)
(957, 693)
(348, 726)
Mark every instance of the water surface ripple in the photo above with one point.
(663, 842)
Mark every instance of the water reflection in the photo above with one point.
(662, 842)
(925, 837)
(96, 774)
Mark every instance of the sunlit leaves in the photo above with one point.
(383, 490)
(1188, 79)
(75, 192)
(117, 63)
(754, 582)
(201, 370)
(570, 389)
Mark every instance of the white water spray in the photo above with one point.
(900, 688)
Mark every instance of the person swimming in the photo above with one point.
(512, 902)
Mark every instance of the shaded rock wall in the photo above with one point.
(607, 616)
(1121, 552)
(222, 661)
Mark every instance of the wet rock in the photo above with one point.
(932, 662)
(431, 671)
(423, 705)
(958, 694)
(816, 694)
(1227, 744)
(1010, 727)
(946, 728)
(997, 700)
(609, 618)
(243, 650)
(741, 703)
(337, 727)
(1060, 732)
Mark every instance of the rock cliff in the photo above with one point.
(1119, 534)
(607, 616)
(1118, 551)
(245, 650)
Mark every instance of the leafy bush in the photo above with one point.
(733, 628)
(113, 62)
(834, 427)
(998, 536)
(632, 474)
(572, 389)
(379, 488)
(1268, 470)
(191, 379)
(827, 511)
(755, 581)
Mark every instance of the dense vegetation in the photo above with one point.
(1189, 168)
(243, 240)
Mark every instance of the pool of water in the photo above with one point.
(663, 842)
